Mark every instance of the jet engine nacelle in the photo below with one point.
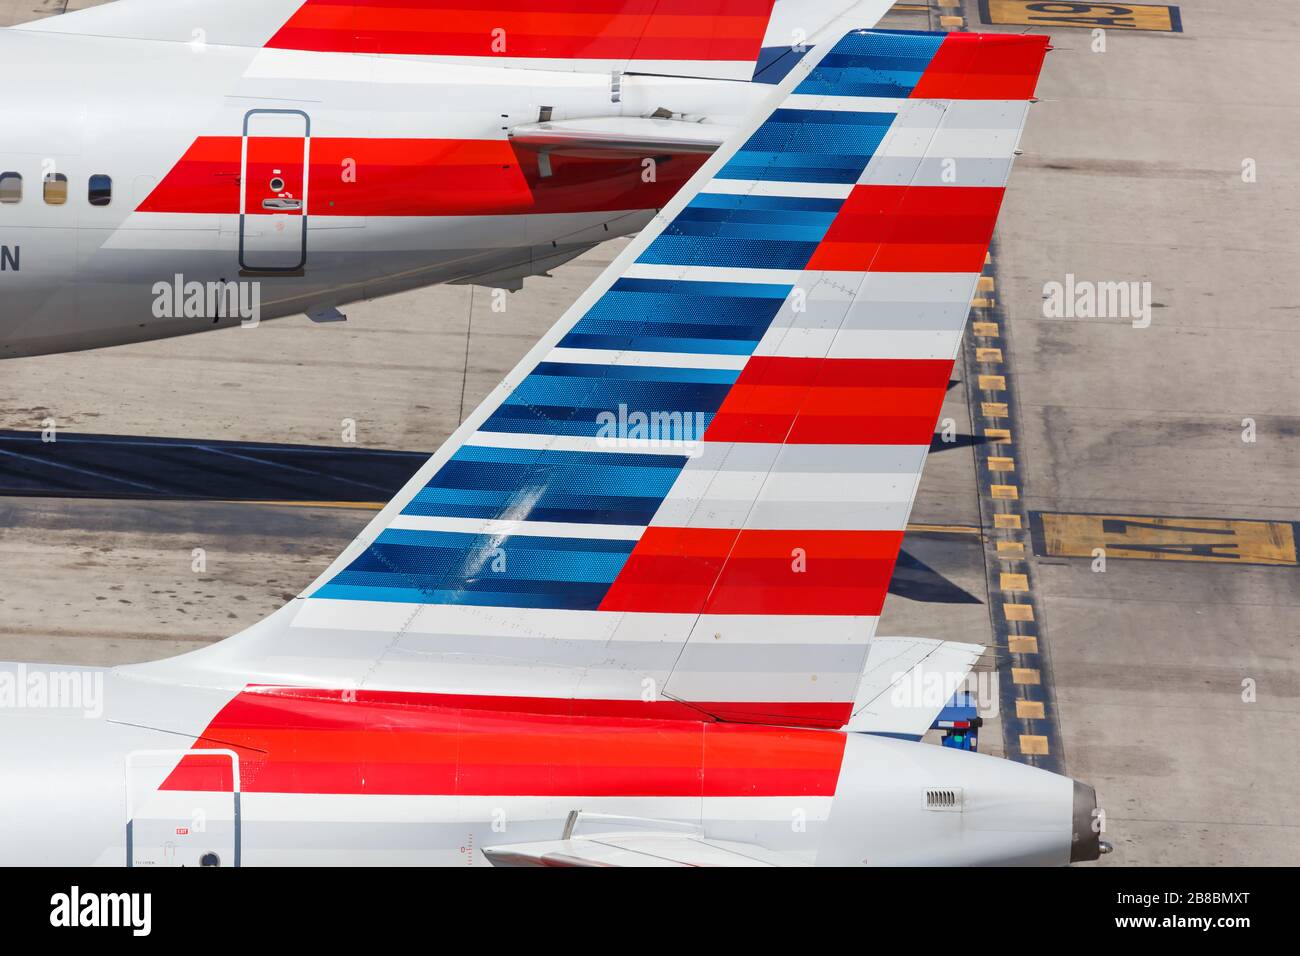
(901, 803)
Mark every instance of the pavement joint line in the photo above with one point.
(1031, 730)
(356, 505)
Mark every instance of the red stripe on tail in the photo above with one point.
(802, 401)
(752, 571)
(983, 66)
(910, 229)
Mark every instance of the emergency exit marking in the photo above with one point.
(1075, 13)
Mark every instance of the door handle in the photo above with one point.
(281, 203)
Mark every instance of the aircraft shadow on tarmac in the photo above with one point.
(117, 466)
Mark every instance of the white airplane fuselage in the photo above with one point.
(285, 182)
(148, 769)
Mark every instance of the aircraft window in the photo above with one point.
(101, 190)
(11, 187)
(56, 189)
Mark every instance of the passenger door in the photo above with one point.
(273, 192)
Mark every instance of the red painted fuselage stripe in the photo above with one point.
(969, 66)
(796, 713)
(415, 177)
(551, 47)
(345, 742)
(911, 229)
(803, 401)
(603, 29)
(543, 9)
(480, 23)
(753, 571)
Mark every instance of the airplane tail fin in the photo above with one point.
(709, 39)
(688, 498)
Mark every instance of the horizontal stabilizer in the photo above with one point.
(630, 849)
(907, 681)
(653, 843)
